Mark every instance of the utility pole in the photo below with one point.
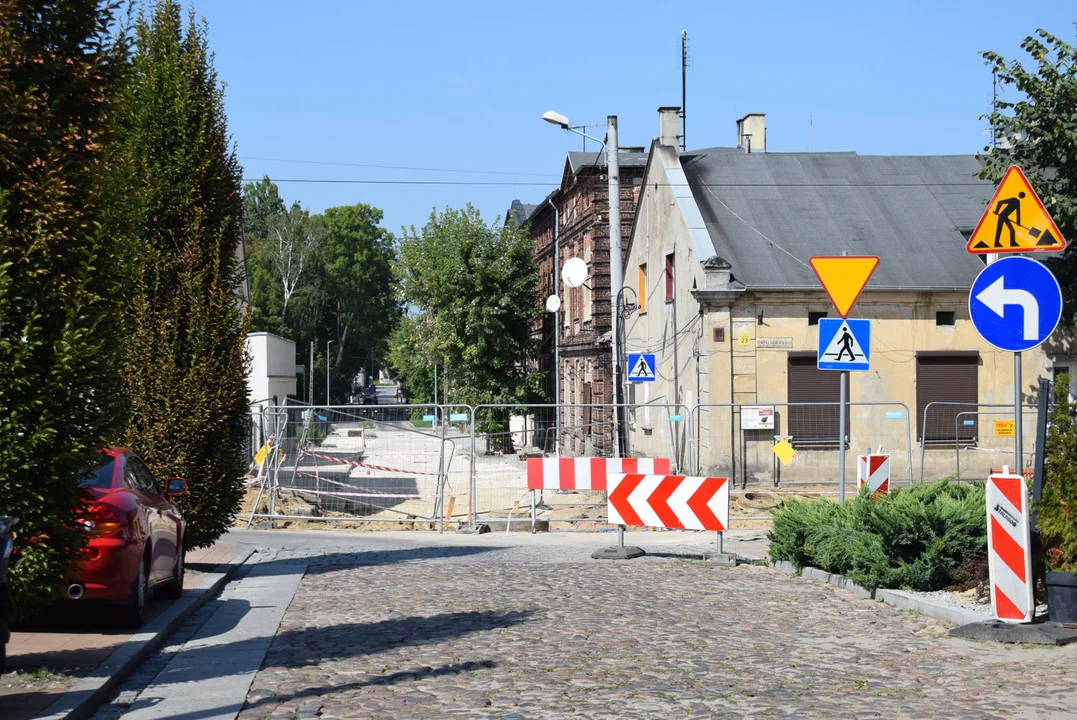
(616, 275)
(310, 376)
(327, 366)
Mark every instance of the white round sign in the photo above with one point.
(553, 303)
(574, 272)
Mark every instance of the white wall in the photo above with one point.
(272, 367)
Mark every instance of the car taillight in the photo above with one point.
(107, 520)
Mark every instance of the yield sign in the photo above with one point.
(843, 277)
(671, 501)
(1015, 220)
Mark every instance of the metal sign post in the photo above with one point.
(843, 277)
(1015, 304)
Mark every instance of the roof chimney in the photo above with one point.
(752, 132)
(669, 125)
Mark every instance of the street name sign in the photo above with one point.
(844, 344)
(1015, 220)
(843, 277)
(1015, 303)
(641, 367)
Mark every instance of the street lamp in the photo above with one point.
(616, 273)
(327, 344)
(553, 304)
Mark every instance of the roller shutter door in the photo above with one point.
(813, 425)
(947, 378)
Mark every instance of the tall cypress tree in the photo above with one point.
(185, 348)
(60, 263)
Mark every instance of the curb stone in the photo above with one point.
(814, 573)
(937, 610)
(897, 598)
(81, 700)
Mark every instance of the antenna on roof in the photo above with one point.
(994, 107)
(684, 91)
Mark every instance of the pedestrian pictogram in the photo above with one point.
(844, 277)
(640, 367)
(844, 344)
(1015, 220)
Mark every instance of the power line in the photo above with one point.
(397, 167)
(398, 182)
(549, 184)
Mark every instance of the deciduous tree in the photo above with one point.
(1035, 127)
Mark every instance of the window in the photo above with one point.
(815, 317)
(585, 400)
(142, 475)
(814, 426)
(669, 277)
(719, 334)
(945, 317)
(642, 288)
(946, 378)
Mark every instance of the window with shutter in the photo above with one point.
(949, 378)
(814, 426)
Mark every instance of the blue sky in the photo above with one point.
(462, 85)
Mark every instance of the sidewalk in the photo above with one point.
(53, 653)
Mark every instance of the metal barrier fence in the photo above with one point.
(506, 435)
(456, 463)
(734, 443)
(962, 439)
(386, 463)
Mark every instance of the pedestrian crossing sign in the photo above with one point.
(1015, 221)
(844, 344)
(640, 367)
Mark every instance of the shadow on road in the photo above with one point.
(314, 645)
(331, 562)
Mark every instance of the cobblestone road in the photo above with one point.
(411, 630)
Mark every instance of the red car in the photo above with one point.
(137, 536)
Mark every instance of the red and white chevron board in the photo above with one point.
(586, 473)
(1009, 560)
(671, 501)
(873, 471)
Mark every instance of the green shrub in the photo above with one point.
(61, 259)
(917, 538)
(1056, 512)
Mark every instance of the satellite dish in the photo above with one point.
(574, 272)
(553, 303)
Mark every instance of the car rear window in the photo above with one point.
(100, 478)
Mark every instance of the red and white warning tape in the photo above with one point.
(383, 468)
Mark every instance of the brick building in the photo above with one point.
(582, 204)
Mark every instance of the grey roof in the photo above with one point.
(908, 210)
(519, 213)
(636, 157)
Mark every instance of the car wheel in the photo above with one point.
(173, 589)
(3, 647)
(133, 613)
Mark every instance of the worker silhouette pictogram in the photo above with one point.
(1005, 209)
(846, 345)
